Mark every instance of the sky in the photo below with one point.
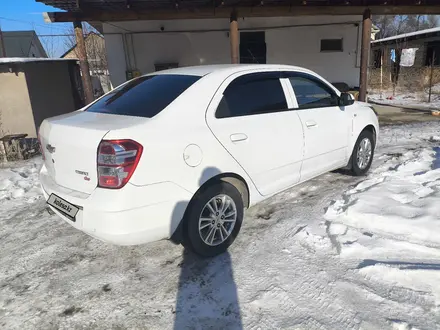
(19, 15)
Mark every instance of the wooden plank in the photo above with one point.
(83, 62)
(224, 12)
(233, 37)
(365, 50)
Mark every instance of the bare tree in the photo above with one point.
(391, 25)
(432, 21)
(386, 25)
(95, 48)
(96, 56)
(50, 46)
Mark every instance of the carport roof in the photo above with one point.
(119, 10)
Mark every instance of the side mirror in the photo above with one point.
(346, 99)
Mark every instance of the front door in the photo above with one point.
(326, 125)
(250, 117)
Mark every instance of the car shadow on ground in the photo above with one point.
(207, 294)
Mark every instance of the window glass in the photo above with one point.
(145, 96)
(331, 45)
(312, 94)
(251, 95)
(432, 54)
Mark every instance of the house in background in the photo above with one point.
(33, 89)
(404, 61)
(329, 45)
(21, 44)
(97, 58)
(374, 30)
(331, 37)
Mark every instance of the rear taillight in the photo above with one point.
(41, 146)
(117, 160)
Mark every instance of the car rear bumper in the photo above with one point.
(128, 216)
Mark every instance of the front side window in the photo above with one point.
(311, 93)
(145, 96)
(251, 95)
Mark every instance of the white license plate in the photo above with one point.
(63, 206)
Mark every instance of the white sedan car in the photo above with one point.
(179, 154)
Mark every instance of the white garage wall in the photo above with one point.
(149, 45)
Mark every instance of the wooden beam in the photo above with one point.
(233, 37)
(365, 50)
(83, 62)
(224, 12)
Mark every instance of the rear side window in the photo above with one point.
(310, 93)
(252, 94)
(144, 96)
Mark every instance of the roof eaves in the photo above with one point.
(407, 35)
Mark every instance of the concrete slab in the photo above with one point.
(396, 115)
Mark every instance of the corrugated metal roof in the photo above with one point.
(408, 35)
(8, 60)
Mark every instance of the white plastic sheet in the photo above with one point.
(408, 57)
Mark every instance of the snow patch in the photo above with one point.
(396, 202)
(337, 252)
(337, 229)
(407, 275)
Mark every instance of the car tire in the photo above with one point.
(216, 203)
(363, 153)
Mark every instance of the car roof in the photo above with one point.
(202, 70)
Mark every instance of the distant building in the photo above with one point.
(405, 60)
(374, 30)
(96, 55)
(21, 44)
(427, 43)
(33, 89)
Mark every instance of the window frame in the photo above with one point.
(430, 51)
(341, 50)
(255, 76)
(124, 85)
(320, 82)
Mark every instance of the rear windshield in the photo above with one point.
(144, 96)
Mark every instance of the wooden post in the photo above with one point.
(365, 49)
(233, 37)
(2, 43)
(381, 73)
(430, 76)
(83, 63)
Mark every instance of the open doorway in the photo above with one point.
(253, 47)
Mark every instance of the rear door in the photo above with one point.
(251, 117)
(326, 125)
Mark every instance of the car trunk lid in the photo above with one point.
(70, 145)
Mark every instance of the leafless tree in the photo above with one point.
(50, 45)
(95, 48)
(386, 25)
(391, 25)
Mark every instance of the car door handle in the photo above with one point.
(238, 137)
(311, 123)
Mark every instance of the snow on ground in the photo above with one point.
(337, 252)
(409, 100)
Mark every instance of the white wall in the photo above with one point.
(182, 42)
